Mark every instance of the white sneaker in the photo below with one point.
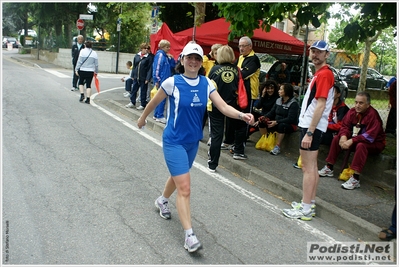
(130, 105)
(161, 120)
(351, 184)
(127, 94)
(192, 243)
(140, 108)
(325, 171)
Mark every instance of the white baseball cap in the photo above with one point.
(192, 48)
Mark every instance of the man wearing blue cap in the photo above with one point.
(313, 122)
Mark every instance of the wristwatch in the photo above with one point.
(309, 133)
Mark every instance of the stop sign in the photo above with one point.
(80, 23)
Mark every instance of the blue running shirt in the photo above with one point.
(187, 99)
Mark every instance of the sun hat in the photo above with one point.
(321, 45)
(192, 48)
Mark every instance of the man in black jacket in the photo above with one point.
(75, 55)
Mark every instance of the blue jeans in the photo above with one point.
(160, 109)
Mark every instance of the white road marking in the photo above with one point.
(56, 73)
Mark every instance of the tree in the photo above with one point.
(386, 49)
(186, 12)
(135, 17)
(365, 28)
(15, 18)
(269, 13)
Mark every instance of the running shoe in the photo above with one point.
(163, 207)
(192, 244)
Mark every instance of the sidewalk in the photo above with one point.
(361, 212)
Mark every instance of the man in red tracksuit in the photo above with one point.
(362, 133)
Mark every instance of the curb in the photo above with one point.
(343, 220)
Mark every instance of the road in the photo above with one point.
(79, 184)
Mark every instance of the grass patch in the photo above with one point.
(390, 149)
(376, 103)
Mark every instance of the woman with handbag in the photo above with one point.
(283, 117)
(86, 67)
(268, 96)
(226, 76)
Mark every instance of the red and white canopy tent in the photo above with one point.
(216, 32)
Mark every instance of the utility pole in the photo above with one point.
(118, 28)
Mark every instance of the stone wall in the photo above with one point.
(106, 60)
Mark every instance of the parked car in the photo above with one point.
(338, 80)
(294, 65)
(262, 76)
(10, 40)
(351, 74)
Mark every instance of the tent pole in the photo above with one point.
(304, 71)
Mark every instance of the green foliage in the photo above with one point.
(269, 13)
(373, 17)
(349, 33)
(180, 16)
(135, 17)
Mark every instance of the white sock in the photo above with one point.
(306, 207)
(313, 202)
(188, 232)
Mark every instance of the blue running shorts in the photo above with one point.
(180, 158)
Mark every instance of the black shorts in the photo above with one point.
(316, 141)
(85, 77)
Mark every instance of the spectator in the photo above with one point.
(180, 142)
(227, 89)
(390, 233)
(141, 75)
(208, 62)
(76, 48)
(86, 67)
(161, 70)
(390, 81)
(283, 117)
(391, 121)
(269, 94)
(313, 121)
(128, 80)
(151, 55)
(283, 75)
(249, 64)
(362, 133)
(337, 113)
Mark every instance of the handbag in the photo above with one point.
(96, 82)
(242, 99)
(271, 141)
(260, 144)
(346, 173)
(153, 92)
